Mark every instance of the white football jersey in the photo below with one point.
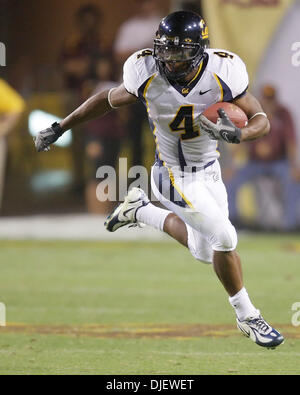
(174, 110)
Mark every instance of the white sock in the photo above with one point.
(152, 216)
(242, 305)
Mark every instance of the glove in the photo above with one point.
(224, 128)
(46, 137)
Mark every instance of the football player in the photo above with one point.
(177, 81)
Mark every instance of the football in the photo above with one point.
(235, 113)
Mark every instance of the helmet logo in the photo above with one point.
(204, 32)
(176, 40)
(188, 40)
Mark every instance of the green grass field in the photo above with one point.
(141, 308)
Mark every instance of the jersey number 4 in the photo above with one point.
(184, 122)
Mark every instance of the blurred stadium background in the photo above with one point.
(57, 54)
(53, 67)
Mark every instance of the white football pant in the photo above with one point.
(200, 200)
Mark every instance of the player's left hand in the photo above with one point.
(224, 129)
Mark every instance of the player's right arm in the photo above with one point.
(94, 107)
(135, 73)
(97, 106)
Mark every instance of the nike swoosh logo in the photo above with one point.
(203, 93)
(127, 211)
(242, 329)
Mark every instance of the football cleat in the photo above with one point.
(260, 332)
(125, 213)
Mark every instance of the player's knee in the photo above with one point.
(198, 246)
(224, 238)
(202, 255)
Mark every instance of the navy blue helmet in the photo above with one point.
(182, 37)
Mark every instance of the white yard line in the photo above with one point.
(70, 227)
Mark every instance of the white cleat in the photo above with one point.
(260, 332)
(125, 213)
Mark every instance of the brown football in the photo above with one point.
(235, 113)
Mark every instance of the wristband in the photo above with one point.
(259, 113)
(108, 98)
(57, 129)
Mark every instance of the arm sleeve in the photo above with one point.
(131, 75)
(233, 77)
(238, 78)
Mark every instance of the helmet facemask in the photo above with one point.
(171, 52)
